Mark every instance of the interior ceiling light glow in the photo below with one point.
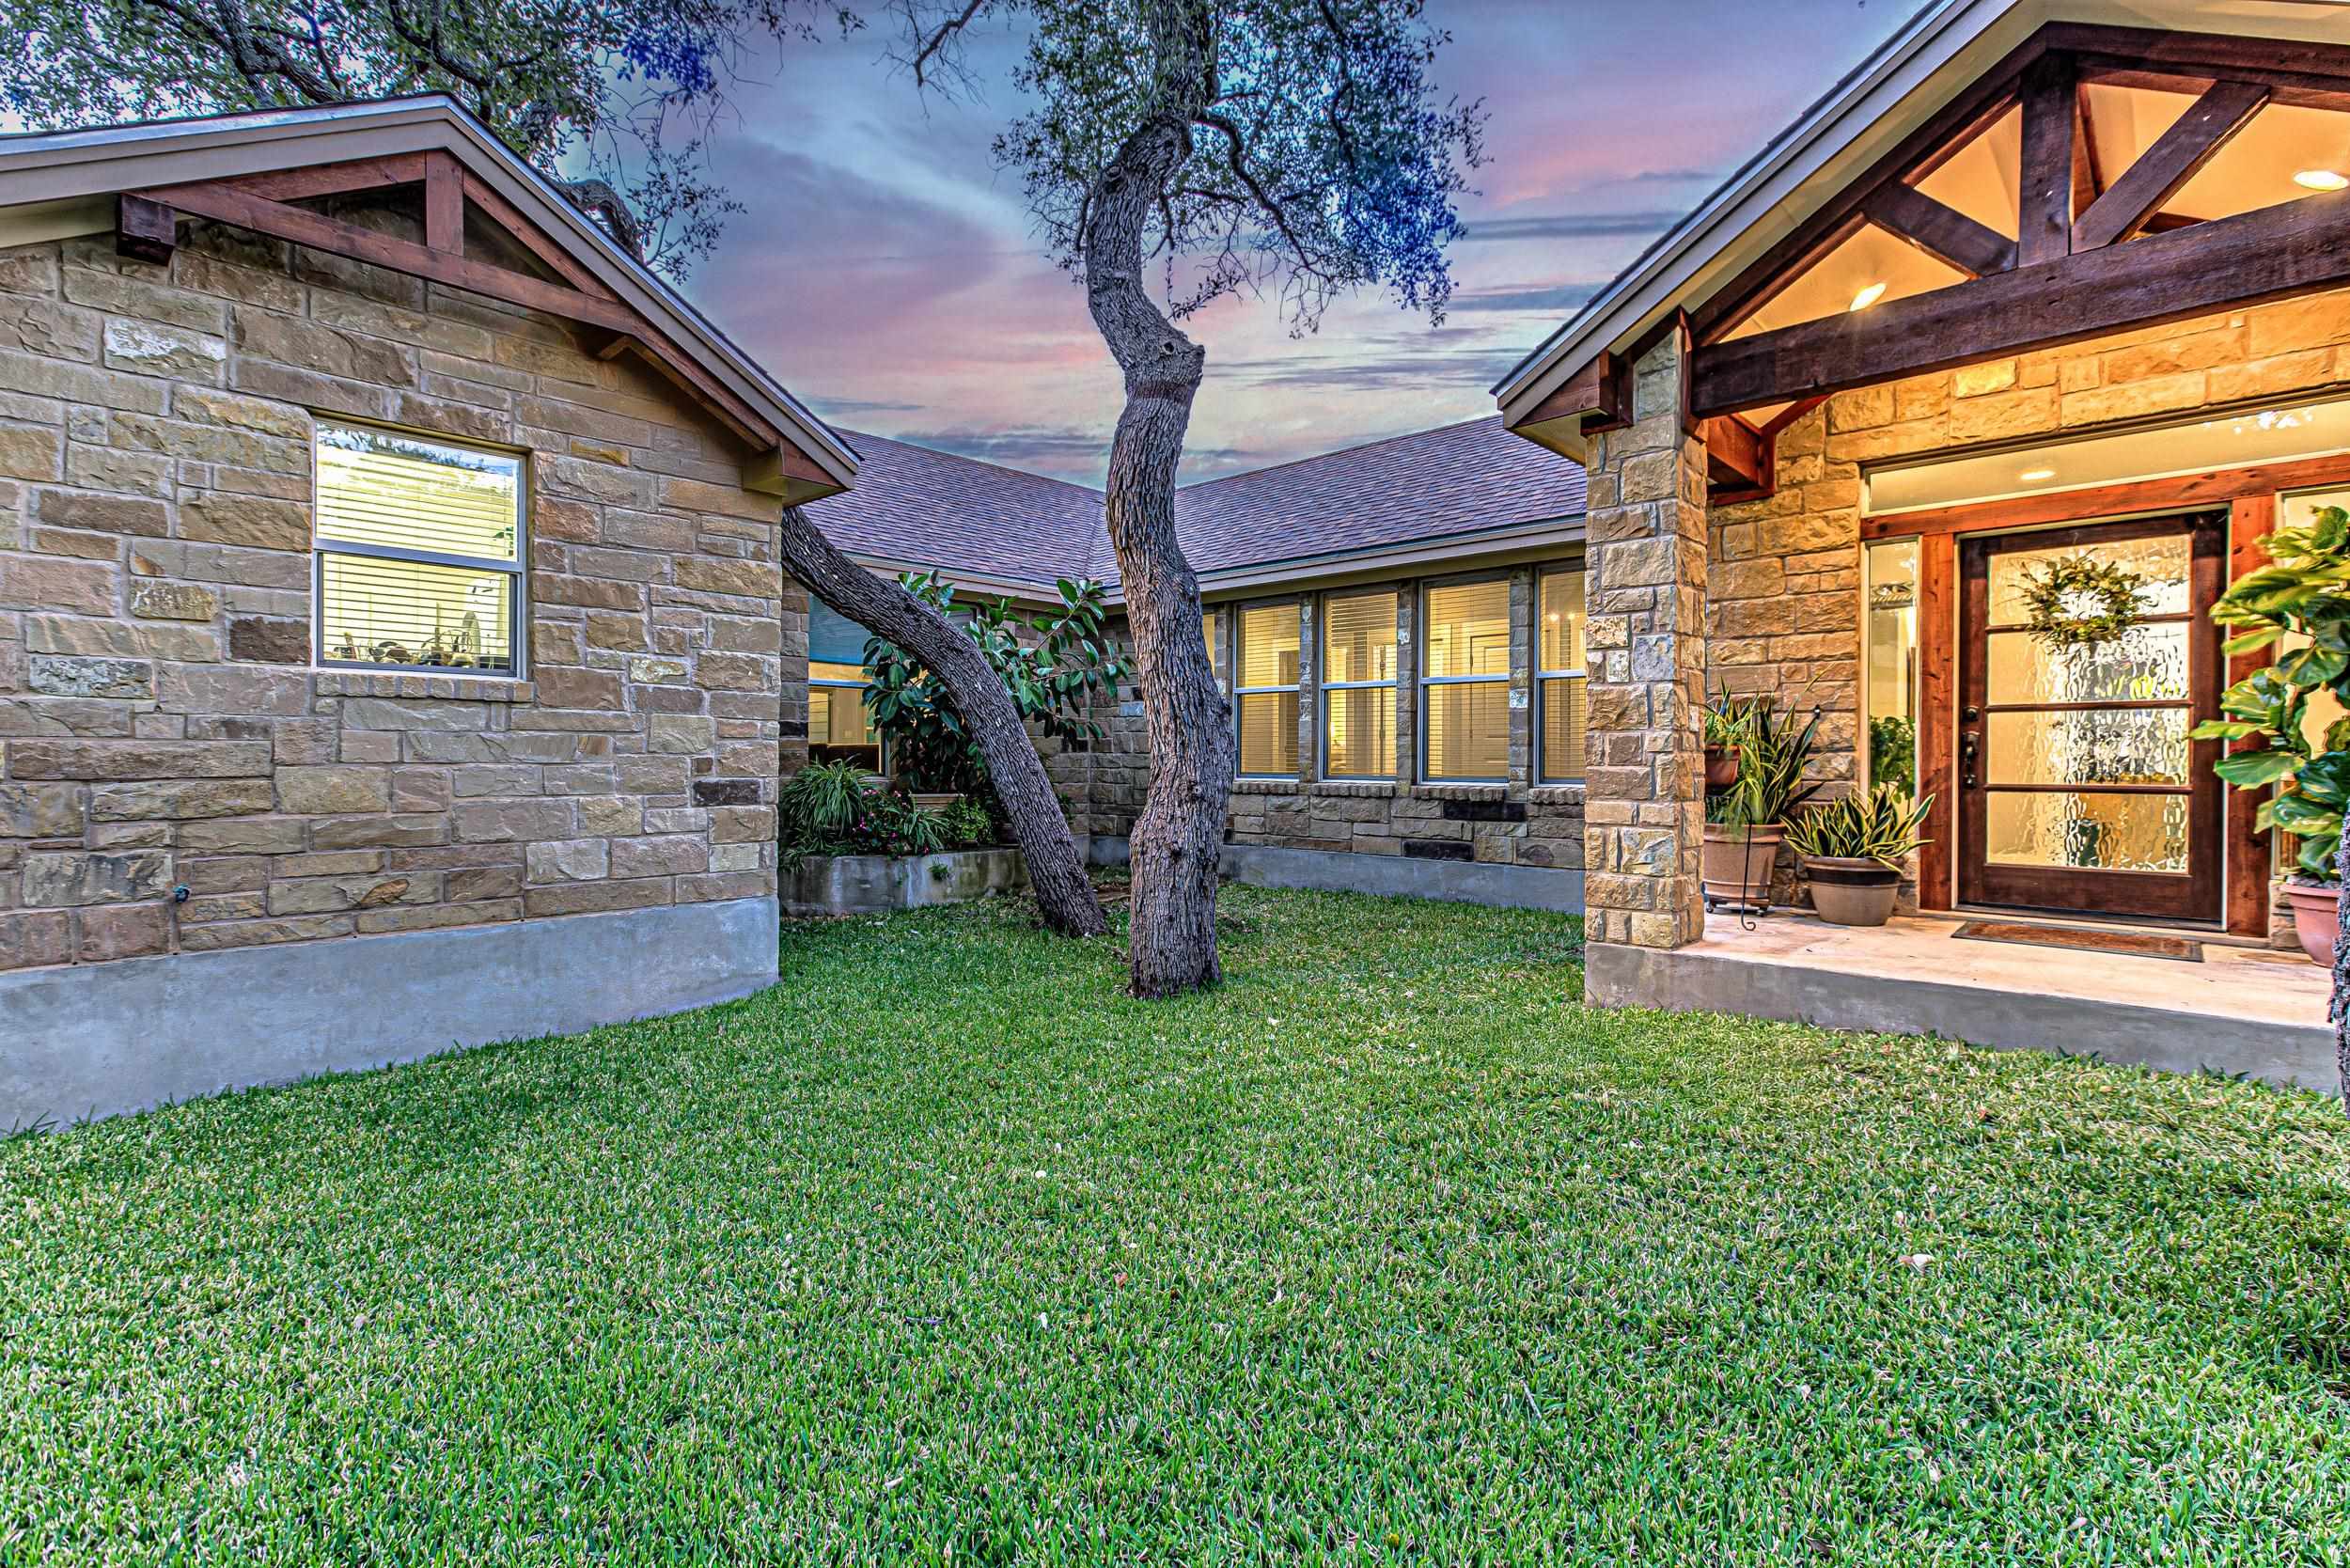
(2033, 475)
(2323, 180)
(1868, 296)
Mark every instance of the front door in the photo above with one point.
(2078, 790)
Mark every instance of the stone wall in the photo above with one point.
(160, 724)
(1512, 823)
(1785, 593)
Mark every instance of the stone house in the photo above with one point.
(2031, 287)
(1398, 626)
(392, 649)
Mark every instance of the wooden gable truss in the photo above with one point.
(147, 223)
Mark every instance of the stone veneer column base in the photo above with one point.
(102, 1039)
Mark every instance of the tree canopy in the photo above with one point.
(613, 96)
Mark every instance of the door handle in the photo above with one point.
(1968, 745)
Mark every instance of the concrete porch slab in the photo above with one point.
(2240, 1010)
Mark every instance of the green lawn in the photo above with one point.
(1389, 1251)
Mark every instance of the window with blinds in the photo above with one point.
(1358, 645)
(1265, 692)
(1465, 682)
(419, 552)
(1559, 678)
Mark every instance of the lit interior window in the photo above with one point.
(1559, 675)
(838, 728)
(1465, 686)
(1266, 693)
(1891, 673)
(419, 548)
(1358, 645)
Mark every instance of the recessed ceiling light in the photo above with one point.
(2323, 180)
(1868, 296)
(2034, 475)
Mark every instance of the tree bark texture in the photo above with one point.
(1063, 892)
(1176, 841)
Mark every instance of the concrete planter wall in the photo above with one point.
(872, 884)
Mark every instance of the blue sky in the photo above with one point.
(886, 273)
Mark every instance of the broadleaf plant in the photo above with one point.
(2303, 594)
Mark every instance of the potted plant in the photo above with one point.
(2304, 593)
(1852, 852)
(1745, 822)
(1722, 719)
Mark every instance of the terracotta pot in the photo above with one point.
(1721, 766)
(1735, 862)
(935, 801)
(1852, 892)
(2314, 920)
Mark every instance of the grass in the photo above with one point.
(1386, 1251)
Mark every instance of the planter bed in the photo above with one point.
(872, 884)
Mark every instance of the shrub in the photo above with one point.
(834, 808)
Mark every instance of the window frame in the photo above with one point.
(881, 742)
(1392, 686)
(518, 598)
(1240, 665)
(1427, 682)
(1544, 677)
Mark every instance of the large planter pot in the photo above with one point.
(936, 800)
(1850, 892)
(2314, 920)
(1735, 862)
(1721, 766)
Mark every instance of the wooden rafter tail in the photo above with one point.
(1739, 459)
(146, 229)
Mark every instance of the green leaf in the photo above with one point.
(2250, 769)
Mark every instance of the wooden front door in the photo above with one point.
(2078, 790)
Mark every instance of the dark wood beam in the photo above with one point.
(444, 204)
(2051, 117)
(1737, 458)
(1942, 232)
(557, 260)
(2298, 73)
(145, 229)
(318, 180)
(2190, 143)
(2088, 171)
(2294, 248)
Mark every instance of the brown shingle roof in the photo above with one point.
(912, 504)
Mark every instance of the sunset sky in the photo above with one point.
(887, 274)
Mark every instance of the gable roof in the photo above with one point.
(1931, 59)
(1461, 486)
(56, 184)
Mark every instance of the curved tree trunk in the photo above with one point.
(1063, 891)
(1176, 841)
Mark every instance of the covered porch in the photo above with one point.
(2211, 1005)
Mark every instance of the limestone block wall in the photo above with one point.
(162, 722)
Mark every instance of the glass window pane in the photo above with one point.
(1561, 646)
(2104, 832)
(834, 638)
(2087, 745)
(1891, 671)
(1269, 645)
(1469, 731)
(1468, 629)
(1358, 637)
(377, 488)
(1562, 729)
(2145, 663)
(1362, 731)
(838, 730)
(1268, 734)
(820, 669)
(386, 612)
(2163, 560)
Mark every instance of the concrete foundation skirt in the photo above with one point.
(873, 883)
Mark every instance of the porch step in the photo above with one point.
(2240, 1012)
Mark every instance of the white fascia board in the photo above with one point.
(1896, 91)
(64, 167)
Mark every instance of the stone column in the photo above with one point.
(1645, 777)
